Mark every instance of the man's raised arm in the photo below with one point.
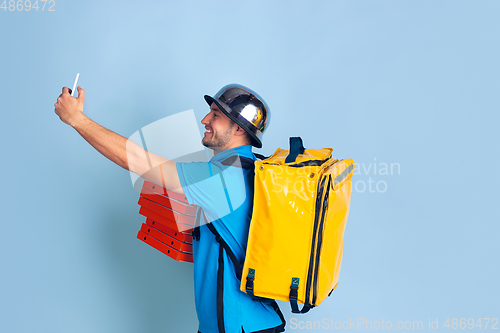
(115, 147)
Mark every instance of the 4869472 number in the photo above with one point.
(27, 5)
(470, 323)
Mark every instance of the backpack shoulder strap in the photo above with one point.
(260, 157)
(239, 270)
(239, 161)
(237, 265)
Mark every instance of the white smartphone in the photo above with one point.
(74, 86)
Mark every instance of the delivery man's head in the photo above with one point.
(238, 116)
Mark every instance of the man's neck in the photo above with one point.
(221, 149)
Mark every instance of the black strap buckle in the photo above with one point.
(293, 292)
(249, 284)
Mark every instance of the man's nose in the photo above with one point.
(205, 121)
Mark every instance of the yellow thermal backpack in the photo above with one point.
(300, 209)
(301, 203)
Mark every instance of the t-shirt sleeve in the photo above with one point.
(219, 190)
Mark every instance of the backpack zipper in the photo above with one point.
(320, 240)
(308, 163)
(313, 243)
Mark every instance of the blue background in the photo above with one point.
(413, 83)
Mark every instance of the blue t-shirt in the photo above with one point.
(226, 195)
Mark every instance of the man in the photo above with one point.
(235, 123)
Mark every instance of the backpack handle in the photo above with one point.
(296, 148)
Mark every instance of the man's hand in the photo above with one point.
(69, 108)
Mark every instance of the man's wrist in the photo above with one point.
(77, 120)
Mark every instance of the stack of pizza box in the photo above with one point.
(169, 221)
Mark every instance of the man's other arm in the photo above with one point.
(115, 147)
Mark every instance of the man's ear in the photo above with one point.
(239, 130)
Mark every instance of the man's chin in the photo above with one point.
(207, 144)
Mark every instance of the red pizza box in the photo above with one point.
(167, 212)
(166, 239)
(160, 219)
(161, 190)
(169, 251)
(183, 236)
(171, 203)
